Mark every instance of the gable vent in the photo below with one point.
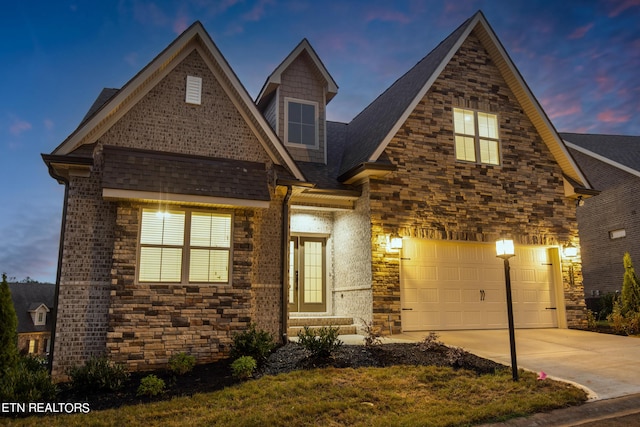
(194, 90)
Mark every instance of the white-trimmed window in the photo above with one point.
(182, 246)
(301, 123)
(476, 136)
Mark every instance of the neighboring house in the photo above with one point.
(192, 210)
(609, 223)
(33, 303)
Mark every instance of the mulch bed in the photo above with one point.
(216, 376)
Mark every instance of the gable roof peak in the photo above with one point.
(274, 79)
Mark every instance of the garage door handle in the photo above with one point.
(407, 309)
(551, 308)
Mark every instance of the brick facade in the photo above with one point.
(616, 207)
(433, 196)
(101, 307)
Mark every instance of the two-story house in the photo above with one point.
(192, 210)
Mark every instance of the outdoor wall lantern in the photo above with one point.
(394, 243)
(505, 250)
(570, 252)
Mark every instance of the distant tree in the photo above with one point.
(630, 287)
(28, 280)
(8, 329)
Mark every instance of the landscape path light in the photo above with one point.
(505, 250)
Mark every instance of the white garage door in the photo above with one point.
(451, 285)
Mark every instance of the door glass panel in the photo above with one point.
(292, 271)
(313, 272)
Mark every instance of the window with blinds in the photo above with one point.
(476, 136)
(171, 240)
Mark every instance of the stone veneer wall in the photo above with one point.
(148, 323)
(301, 80)
(352, 294)
(433, 196)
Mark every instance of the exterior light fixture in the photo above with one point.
(396, 242)
(570, 252)
(505, 250)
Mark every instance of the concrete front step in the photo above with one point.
(344, 324)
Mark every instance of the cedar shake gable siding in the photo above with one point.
(431, 195)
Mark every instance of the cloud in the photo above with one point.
(387, 16)
(258, 11)
(18, 126)
(612, 116)
(561, 105)
(580, 32)
(181, 23)
(48, 124)
(621, 6)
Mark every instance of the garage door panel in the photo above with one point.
(452, 285)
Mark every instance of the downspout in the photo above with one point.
(54, 318)
(284, 319)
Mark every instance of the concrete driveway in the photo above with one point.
(607, 365)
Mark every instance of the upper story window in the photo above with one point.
(476, 136)
(184, 247)
(301, 118)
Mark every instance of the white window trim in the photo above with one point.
(186, 247)
(476, 137)
(316, 145)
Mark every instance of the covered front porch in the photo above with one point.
(329, 261)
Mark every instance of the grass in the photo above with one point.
(398, 395)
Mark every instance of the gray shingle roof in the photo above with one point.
(367, 130)
(621, 149)
(152, 171)
(105, 95)
(27, 296)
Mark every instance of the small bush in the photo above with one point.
(592, 323)
(150, 386)
(372, 334)
(98, 374)
(321, 343)
(430, 342)
(252, 342)
(455, 356)
(29, 381)
(243, 367)
(181, 363)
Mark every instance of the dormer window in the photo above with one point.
(476, 137)
(301, 119)
(39, 314)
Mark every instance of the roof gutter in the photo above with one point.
(284, 253)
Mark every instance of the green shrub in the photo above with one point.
(243, 367)
(8, 329)
(430, 342)
(150, 386)
(98, 374)
(322, 342)
(252, 342)
(630, 287)
(28, 381)
(181, 363)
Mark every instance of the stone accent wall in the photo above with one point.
(148, 323)
(83, 300)
(617, 207)
(303, 81)
(431, 195)
(352, 295)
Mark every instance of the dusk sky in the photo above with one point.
(581, 59)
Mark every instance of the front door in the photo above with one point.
(307, 287)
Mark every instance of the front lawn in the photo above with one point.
(396, 395)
